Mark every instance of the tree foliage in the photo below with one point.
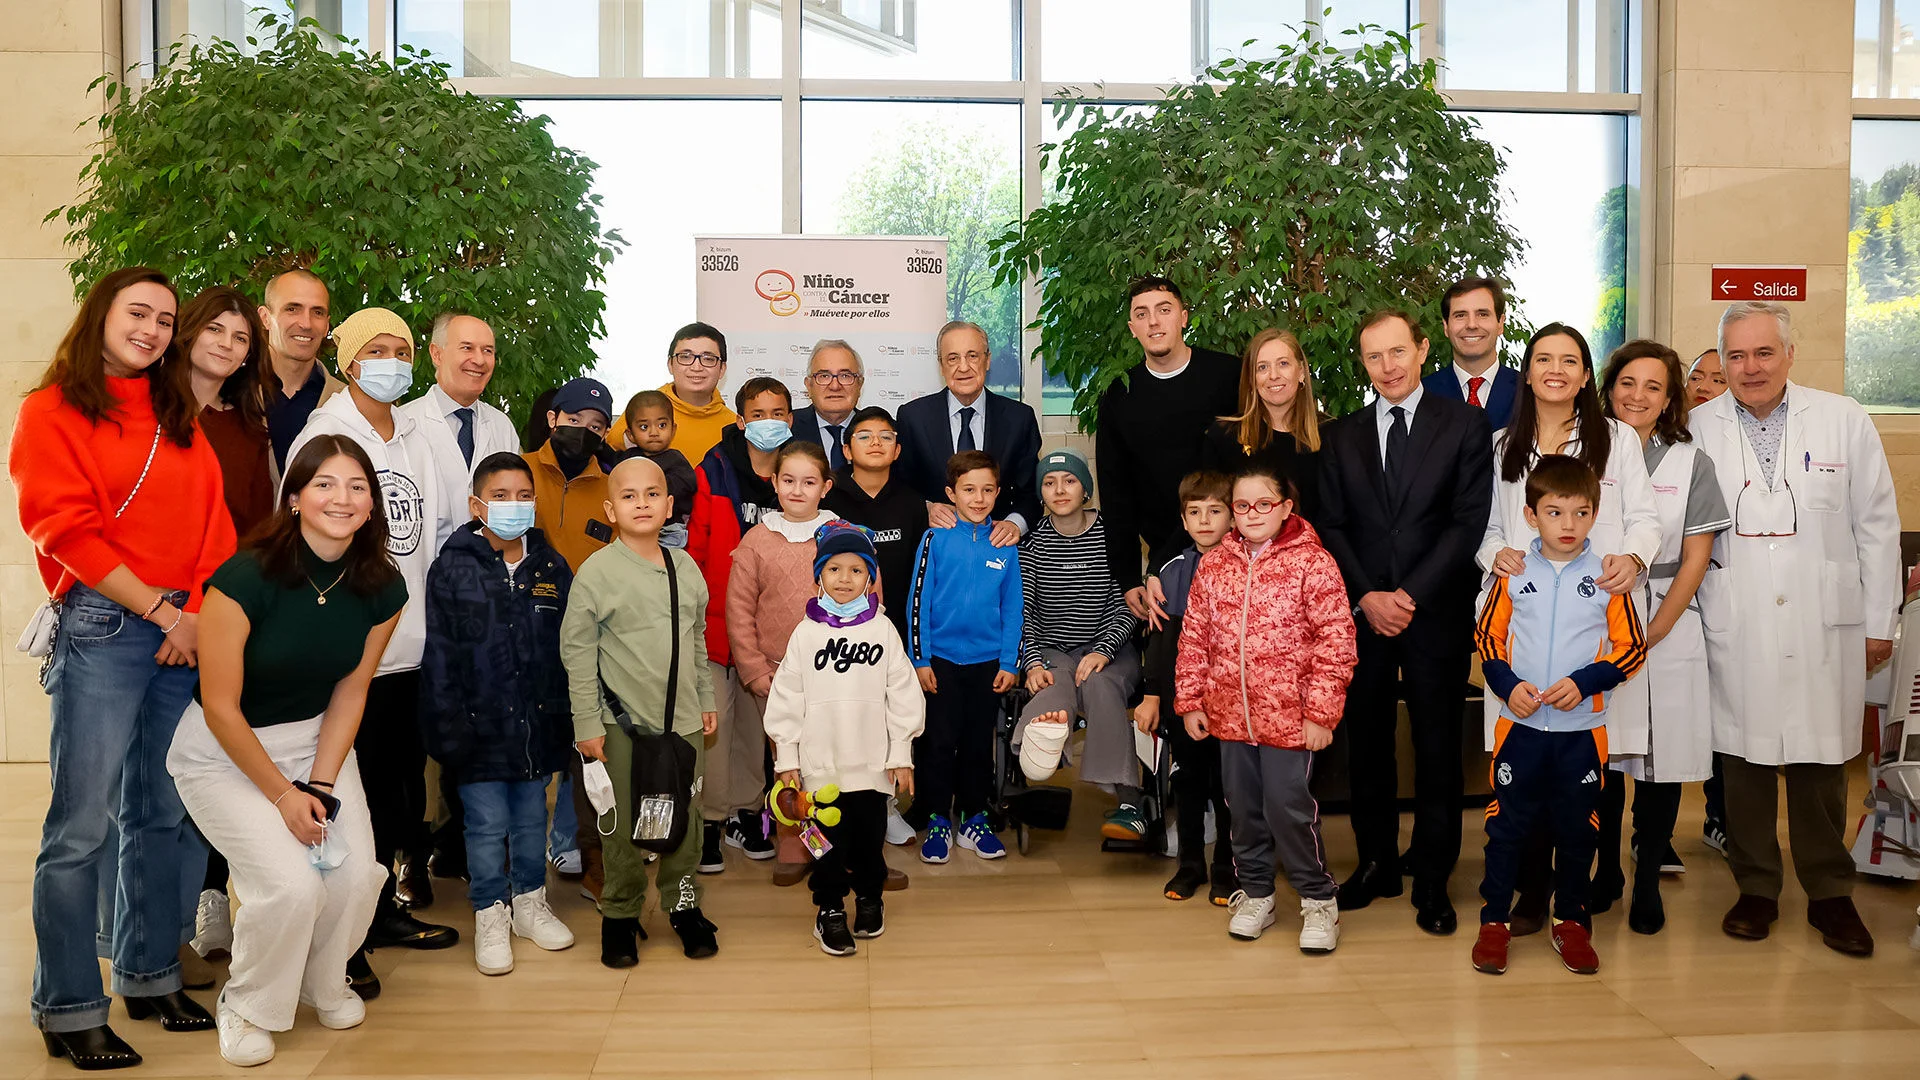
(935, 181)
(236, 163)
(1883, 277)
(1300, 191)
(1615, 220)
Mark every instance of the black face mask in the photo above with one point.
(574, 443)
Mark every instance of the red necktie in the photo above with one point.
(1473, 389)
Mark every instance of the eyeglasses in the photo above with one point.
(878, 438)
(829, 378)
(1258, 506)
(1792, 501)
(693, 359)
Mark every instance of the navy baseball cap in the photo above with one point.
(582, 394)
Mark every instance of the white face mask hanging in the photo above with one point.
(599, 789)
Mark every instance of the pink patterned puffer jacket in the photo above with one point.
(1268, 641)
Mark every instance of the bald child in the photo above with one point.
(634, 645)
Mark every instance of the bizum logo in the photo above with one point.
(776, 288)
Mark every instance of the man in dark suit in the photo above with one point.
(1406, 485)
(1475, 314)
(968, 416)
(834, 378)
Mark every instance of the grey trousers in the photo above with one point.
(1107, 757)
(1816, 827)
(1274, 813)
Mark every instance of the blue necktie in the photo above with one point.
(965, 442)
(465, 435)
(836, 454)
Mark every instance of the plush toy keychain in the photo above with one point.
(794, 806)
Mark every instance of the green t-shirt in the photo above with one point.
(298, 648)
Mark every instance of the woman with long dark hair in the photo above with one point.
(295, 627)
(1557, 411)
(1645, 387)
(121, 497)
(1278, 426)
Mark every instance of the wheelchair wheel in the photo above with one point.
(1022, 837)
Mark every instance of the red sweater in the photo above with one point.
(71, 475)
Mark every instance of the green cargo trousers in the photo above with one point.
(626, 891)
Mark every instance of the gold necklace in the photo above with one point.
(322, 598)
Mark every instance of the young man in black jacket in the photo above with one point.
(494, 709)
(1149, 430)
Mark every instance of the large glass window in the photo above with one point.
(202, 21)
(905, 39)
(1568, 193)
(1883, 266)
(1578, 46)
(604, 38)
(1886, 56)
(663, 183)
(898, 168)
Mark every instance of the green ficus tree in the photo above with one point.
(233, 164)
(1300, 191)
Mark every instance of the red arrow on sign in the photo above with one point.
(1733, 283)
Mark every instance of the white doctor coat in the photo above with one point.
(492, 433)
(1787, 617)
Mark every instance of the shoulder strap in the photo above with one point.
(151, 451)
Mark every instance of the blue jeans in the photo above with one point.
(506, 835)
(114, 713)
(561, 837)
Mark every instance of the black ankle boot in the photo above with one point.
(177, 1011)
(619, 942)
(360, 977)
(697, 938)
(1646, 915)
(91, 1048)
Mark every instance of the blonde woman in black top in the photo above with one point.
(290, 636)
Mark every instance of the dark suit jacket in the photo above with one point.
(1421, 538)
(1499, 407)
(806, 425)
(1013, 441)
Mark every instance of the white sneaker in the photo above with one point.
(568, 863)
(535, 921)
(346, 1011)
(1251, 915)
(1320, 925)
(898, 831)
(213, 924)
(493, 940)
(241, 1043)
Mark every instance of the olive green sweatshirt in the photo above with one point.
(616, 628)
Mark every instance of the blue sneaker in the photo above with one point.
(976, 837)
(934, 849)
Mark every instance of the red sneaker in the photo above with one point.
(1574, 943)
(1490, 950)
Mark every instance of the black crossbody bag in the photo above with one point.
(662, 780)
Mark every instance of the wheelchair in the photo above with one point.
(1021, 806)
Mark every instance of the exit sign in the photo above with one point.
(1731, 283)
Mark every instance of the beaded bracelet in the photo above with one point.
(290, 790)
(177, 620)
(158, 599)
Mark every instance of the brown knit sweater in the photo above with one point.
(767, 596)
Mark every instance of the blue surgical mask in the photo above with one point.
(768, 434)
(385, 380)
(852, 609)
(509, 520)
(329, 853)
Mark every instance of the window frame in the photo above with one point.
(1034, 97)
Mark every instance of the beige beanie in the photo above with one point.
(363, 326)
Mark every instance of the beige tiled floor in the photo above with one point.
(1068, 963)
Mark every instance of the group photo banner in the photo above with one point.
(775, 296)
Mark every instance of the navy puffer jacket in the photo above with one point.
(493, 696)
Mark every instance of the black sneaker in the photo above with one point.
(360, 977)
(1225, 884)
(393, 927)
(830, 930)
(869, 918)
(711, 861)
(697, 938)
(751, 839)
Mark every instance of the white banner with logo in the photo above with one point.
(775, 296)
